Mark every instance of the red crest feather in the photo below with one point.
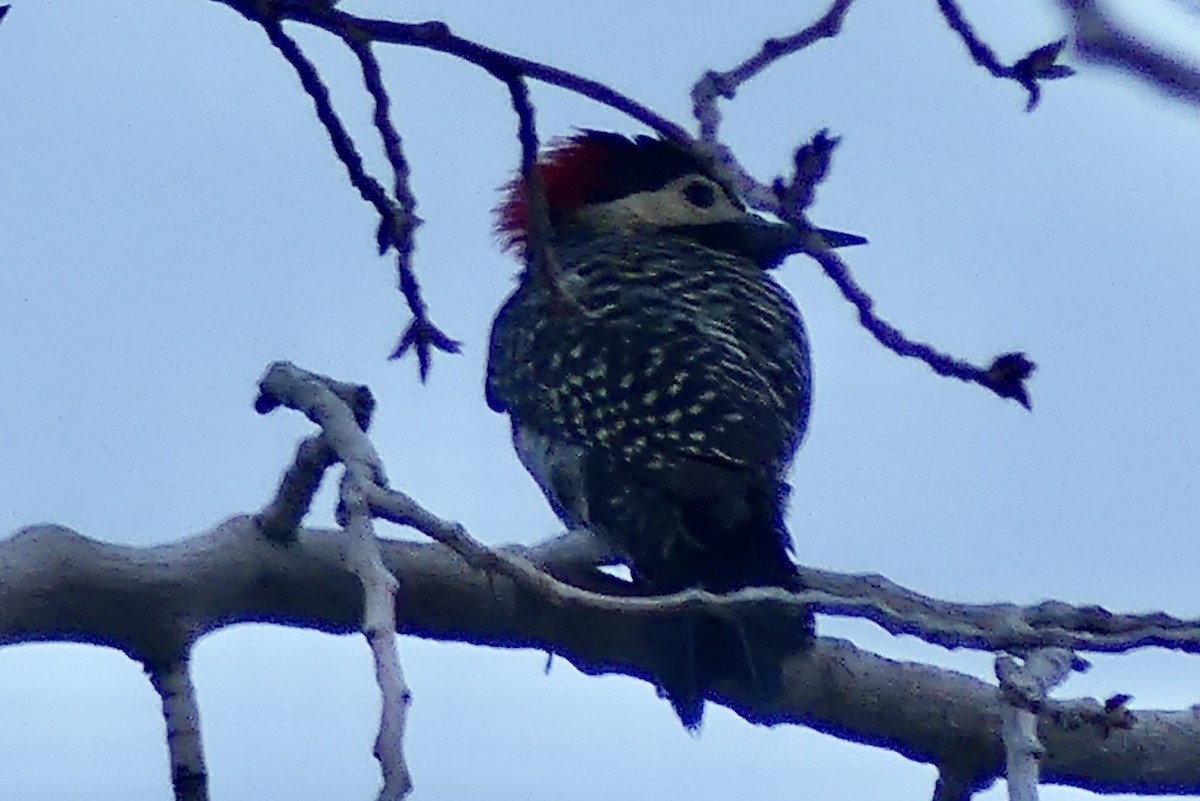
(571, 170)
(593, 167)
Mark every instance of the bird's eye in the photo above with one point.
(700, 194)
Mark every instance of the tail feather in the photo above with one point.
(706, 648)
(713, 646)
(718, 527)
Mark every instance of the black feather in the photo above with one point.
(665, 410)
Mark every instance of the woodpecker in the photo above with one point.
(658, 385)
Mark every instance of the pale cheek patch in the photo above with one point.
(661, 209)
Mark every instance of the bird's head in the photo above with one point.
(598, 182)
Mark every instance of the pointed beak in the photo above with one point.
(769, 242)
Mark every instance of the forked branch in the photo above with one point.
(1005, 376)
(58, 585)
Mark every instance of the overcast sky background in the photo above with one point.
(174, 220)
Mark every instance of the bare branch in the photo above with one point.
(401, 237)
(1005, 376)
(181, 713)
(898, 610)
(513, 564)
(569, 549)
(85, 592)
(397, 228)
(283, 515)
(397, 217)
(951, 786)
(287, 385)
(1025, 688)
(1101, 39)
(714, 85)
(538, 247)
(1040, 64)
(58, 585)
(438, 36)
(343, 145)
(990, 627)
(993, 627)
(379, 627)
(979, 50)
(789, 199)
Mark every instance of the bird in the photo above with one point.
(657, 380)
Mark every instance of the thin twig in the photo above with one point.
(788, 199)
(396, 230)
(1005, 376)
(1007, 373)
(396, 222)
(995, 627)
(980, 52)
(898, 610)
(393, 147)
(1040, 64)
(714, 85)
(539, 251)
(436, 35)
(343, 144)
(397, 507)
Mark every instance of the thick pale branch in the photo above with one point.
(181, 713)
(896, 609)
(365, 495)
(281, 517)
(1025, 687)
(344, 432)
(58, 585)
(570, 549)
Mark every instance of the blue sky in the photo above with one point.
(175, 220)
